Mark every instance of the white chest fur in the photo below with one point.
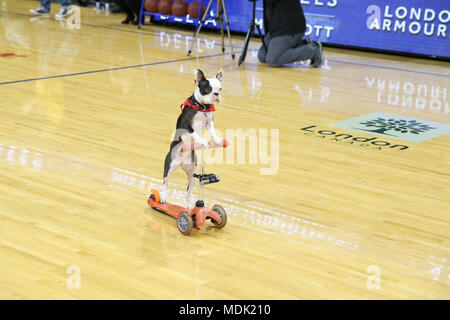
(201, 121)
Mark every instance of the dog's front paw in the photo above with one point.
(205, 144)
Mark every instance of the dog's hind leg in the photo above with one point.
(189, 167)
(171, 163)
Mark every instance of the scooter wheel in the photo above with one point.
(155, 195)
(185, 223)
(222, 213)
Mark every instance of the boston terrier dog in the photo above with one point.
(196, 115)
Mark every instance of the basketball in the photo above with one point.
(151, 5)
(193, 7)
(165, 6)
(179, 8)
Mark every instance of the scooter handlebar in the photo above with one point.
(198, 146)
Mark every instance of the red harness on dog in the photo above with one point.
(205, 108)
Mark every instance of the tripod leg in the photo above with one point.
(247, 39)
(228, 28)
(262, 37)
(200, 26)
(221, 34)
(140, 14)
(220, 18)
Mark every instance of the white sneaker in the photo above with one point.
(40, 11)
(64, 12)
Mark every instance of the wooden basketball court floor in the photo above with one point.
(85, 122)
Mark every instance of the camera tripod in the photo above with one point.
(221, 15)
(251, 30)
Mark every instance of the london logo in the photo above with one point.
(355, 140)
(381, 125)
(397, 127)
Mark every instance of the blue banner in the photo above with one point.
(405, 26)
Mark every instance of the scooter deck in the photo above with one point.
(168, 208)
(201, 213)
(174, 210)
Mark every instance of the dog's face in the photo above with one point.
(208, 90)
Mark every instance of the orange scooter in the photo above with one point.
(189, 219)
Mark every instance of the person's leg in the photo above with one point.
(122, 5)
(66, 9)
(318, 60)
(45, 4)
(65, 3)
(287, 49)
(262, 51)
(43, 10)
(135, 6)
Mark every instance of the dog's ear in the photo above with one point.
(219, 75)
(199, 76)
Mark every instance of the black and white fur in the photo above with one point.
(190, 126)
